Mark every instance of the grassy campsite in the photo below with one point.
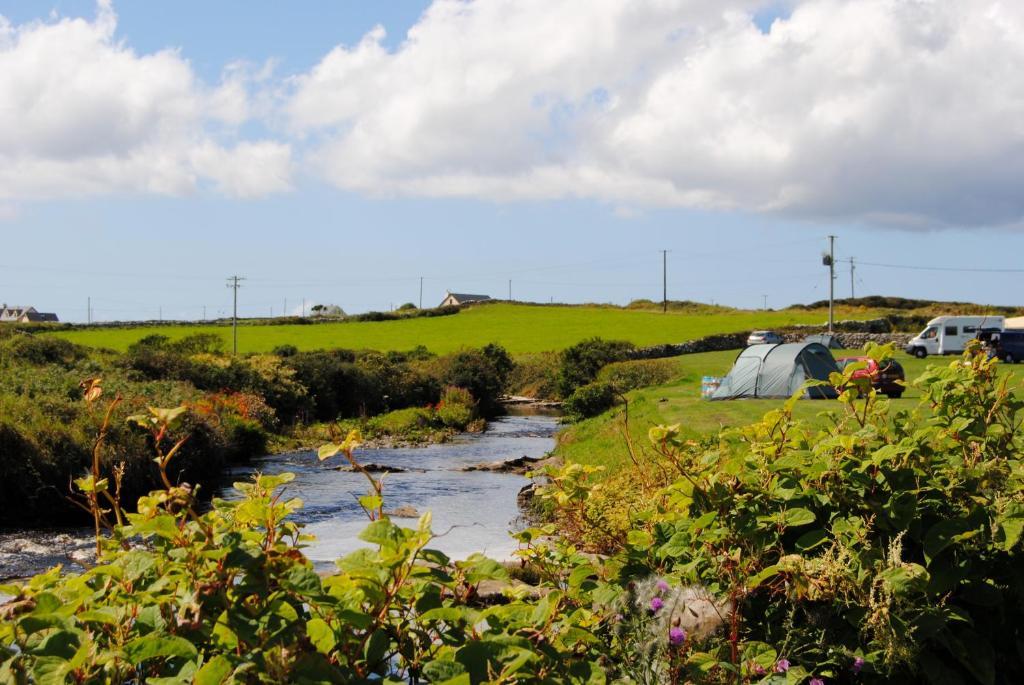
(599, 441)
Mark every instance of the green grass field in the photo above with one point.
(520, 328)
(599, 441)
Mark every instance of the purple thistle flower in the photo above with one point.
(676, 636)
(816, 681)
(656, 604)
(759, 669)
(662, 586)
(782, 665)
(858, 663)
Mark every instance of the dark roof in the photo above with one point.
(42, 316)
(466, 297)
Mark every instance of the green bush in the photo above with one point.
(483, 372)
(246, 438)
(581, 363)
(590, 400)
(885, 548)
(410, 423)
(536, 375)
(456, 408)
(44, 349)
(641, 373)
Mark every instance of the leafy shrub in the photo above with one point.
(581, 363)
(199, 343)
(407, 423)
(641, 373)
(246, 438)
(44, 349)
(285, 350)
(484, 373)
(535, 375)
(590, 400)
(886, 545)
(228, 596)
(456, 408)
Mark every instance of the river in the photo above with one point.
(472, 511)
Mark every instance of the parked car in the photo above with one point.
(886, 378)
(764, 338)
(1007, 345)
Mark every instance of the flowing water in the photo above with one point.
(472, 511)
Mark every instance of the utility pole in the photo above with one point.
(765, 298)
(234, 285)
(831, 280)
(510, 290)
(421, 292)
(160, 313)
(852, 291)
(285, 310)
(204, 312)
(88, 310)
(303, 308)
(664, 281)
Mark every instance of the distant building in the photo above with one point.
(25, 315)
(456, 299)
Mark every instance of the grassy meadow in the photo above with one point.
(520, 328)
(600, 441)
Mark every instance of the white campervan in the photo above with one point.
(949, 334)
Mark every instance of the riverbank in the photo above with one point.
(473, 499)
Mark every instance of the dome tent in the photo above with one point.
(827, 339)
(778, 371)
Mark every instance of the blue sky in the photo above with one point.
(365, 178)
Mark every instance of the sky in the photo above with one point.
(340, 152)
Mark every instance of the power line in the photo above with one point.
(942, 268)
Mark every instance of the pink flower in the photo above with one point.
(858, 663)
(782, 665)
(662, 586)
(759, 669)
(656, 604)
(816, 681)
(676, 636)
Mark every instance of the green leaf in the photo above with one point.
(943, 534)
(214, 672)
(384, 533)
(442, 671)
(798, 517)
(156, 646)
(580, 574)
(765, 574)
(376, 648)
(1011, 523)
(321, 635)
(639, 539)
(50, 670)
(812, 539)
(60, 643)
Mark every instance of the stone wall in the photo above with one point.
(855, 341)
(850, 340)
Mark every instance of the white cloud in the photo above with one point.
(82, 113)
(902, 112)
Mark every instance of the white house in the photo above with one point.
(15, 314)
(457, 299)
